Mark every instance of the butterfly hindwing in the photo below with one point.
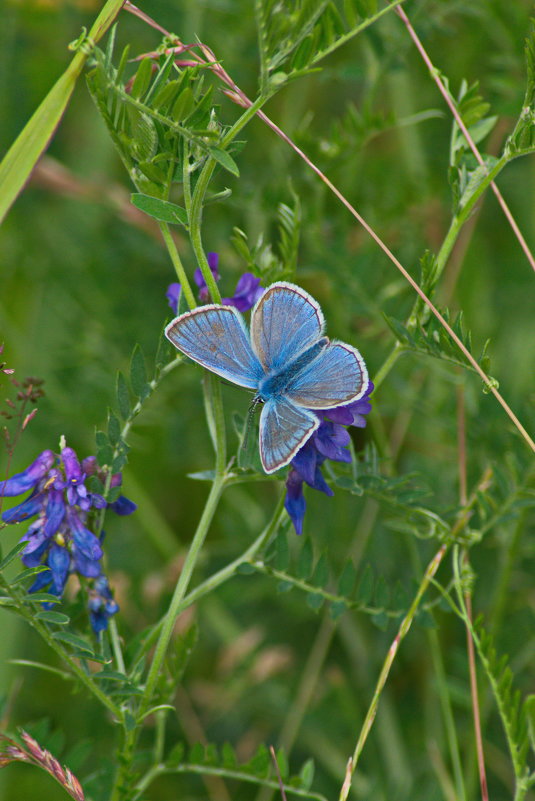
(336, 376)
(216, 337)
(284, 323)
(284, 428)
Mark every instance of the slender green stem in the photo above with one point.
(226, 573)
(116, 644)
(213, 404)
(177, 264)
(199, 193)
(179, 593)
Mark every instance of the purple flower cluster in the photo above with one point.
(59, 537)
(247, 292)
(329, 441)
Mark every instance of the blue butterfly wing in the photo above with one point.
(285, 322)
(216, 337)
(284, 428)
(335, 377)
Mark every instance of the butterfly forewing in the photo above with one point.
(335, 377)
(285, 322)
(284, 428)
(216, 337)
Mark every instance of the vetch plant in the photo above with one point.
(215, 653)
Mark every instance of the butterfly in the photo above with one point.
(288, 362)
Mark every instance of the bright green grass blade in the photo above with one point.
(25, 151)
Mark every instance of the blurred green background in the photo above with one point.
(82, 282)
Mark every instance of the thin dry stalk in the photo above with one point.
(445, 94)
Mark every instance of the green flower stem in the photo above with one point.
(225, 573)
(199, 193)
(74, 666)
(213, 405)
(177, 264)
(195, 221)
(400, 636)
(179, 593)
(229, 570)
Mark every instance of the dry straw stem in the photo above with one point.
(241, 98)
(444, 92)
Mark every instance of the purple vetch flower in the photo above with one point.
(247, 292)
(60, 538)
(198, 277)
(101, 604)
(173, 296)
(329, 441)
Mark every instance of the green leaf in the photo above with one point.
(53, 617)
(380, 619)
(307, 774)
(282, 552)
(229, 756)
(225, 159)
(245, 569)
(282, 762)
(76, 642)
(382, 593)
(315, 600)
(110, 675)
(348, 579)
(123, 396)
(105, 456)
(114, 428)
(41, 597)
(284, 586)
(260, 764)
(184, 105)
(166, 94)
(142, 79)
(320, 577)
(161, 210)
(337, 609)
(14, 552)
(365, 588)
(529, 707)
(30, 572)
(304, 564)
(176, 756)
(138, 374)
(196, 754)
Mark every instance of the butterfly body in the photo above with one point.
(277, 382)
(285, 359)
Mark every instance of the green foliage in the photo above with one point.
(431, 339)
(513, 713)
(253, 646)
(207, 760)
(263, 260)
(353, 590)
